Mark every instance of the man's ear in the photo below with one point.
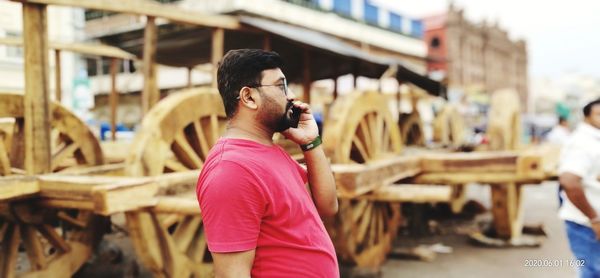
(249, 98)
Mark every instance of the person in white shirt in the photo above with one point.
(559, 133)
(579, 169)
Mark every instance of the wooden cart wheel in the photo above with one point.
(45, 242)
(360, 130)
(411, 128)
(72, 143)
(504, 131)
(42, 242)
(449, 127)
(175, 135)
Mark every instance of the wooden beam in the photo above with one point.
(13, 187)
(470, 162)
(114, 97)
(478, 177)
(87, 49)
(37, 98)
(150, 93)
(410, 193)
(148, 8)
(57, 76)
(218, 44)
(356, 179)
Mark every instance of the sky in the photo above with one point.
(562, 36)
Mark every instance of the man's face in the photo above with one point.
(275, 102)
(594, 117)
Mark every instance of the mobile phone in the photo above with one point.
(294, 116)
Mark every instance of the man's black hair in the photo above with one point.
(243, 67)
(562, 119)
(587, 109)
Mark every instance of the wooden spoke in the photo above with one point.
(359, 210)
(33, 247)
(214, 125)
(185, 152)
(175, 166)
(68, 150)
(54, 238)
(10, 244)
(198, 247)
(4, 159)
(185, 232)
(365, 221)
(366, 135)
(205, 147)
(67, 218)
(361, 148)
(169, 220)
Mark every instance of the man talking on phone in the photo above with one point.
(260, 218)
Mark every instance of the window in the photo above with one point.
(14, 51)
(435, 42)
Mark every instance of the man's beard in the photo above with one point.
(272, 116)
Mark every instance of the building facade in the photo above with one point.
(475, 57)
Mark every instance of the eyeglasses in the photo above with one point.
(283, 87)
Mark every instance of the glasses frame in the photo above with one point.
(283, 86)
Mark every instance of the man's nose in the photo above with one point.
(290, 94)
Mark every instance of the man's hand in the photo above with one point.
(596, 228)
(307, 129)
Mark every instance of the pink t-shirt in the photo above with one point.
(253, 196)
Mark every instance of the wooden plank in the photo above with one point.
(507, 210)
(37, 98)
(356, 179)
(150, 93)
(127, 196)
(114, 98)
(88, 49)
(57, 76)
(179, 205)
(218, 44)
(13, 187)
(411, 193)
(148, 8)
(470, 162)
(465, 178)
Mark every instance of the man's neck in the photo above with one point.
(249, 131)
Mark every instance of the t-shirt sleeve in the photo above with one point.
(232, 205)
(575, 160)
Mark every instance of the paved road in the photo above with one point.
(467, 260)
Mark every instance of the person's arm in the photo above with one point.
(233, 265)
(320, 177)
(571, 183)
(321, 181)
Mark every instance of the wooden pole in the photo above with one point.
(306, 82)
(267, 42)
(37, 97)
(114, 97)
(58, 76)
(218, 42)
(150, 94)
(189, 77)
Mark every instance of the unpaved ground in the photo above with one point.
(468, 260)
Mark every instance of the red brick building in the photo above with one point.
(475, 57)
